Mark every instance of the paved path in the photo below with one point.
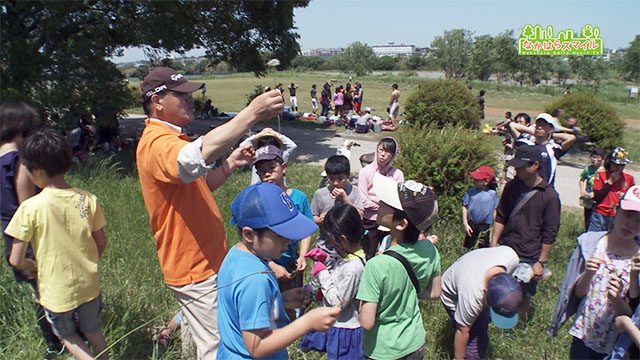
(315, 146)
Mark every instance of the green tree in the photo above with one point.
(357, 58)
(385, 63)
(506, 55)
(54, 54)
(587, 68)
(415, 61)
(483, 58)
(630, 65)
(307, 62)
(453, 51)
(561, 70)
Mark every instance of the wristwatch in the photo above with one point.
(543, 263)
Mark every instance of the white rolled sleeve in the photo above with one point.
(191, 164)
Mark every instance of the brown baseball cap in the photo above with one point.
(165, 78)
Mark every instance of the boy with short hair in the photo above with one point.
(251, 309)
(65, 226)
(338, 190)
(390, 291)
(271, 167)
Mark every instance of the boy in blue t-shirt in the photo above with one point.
(251, 310)
(478, 207)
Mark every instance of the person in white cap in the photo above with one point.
(547, 137)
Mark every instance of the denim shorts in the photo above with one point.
(87, 315)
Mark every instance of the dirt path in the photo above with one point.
(315, 146)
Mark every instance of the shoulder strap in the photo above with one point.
(525, 199)
(407, 267)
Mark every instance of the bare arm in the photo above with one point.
(24, 187)
(433, 290)
(367, 314)
(460, 341)
(517, 129)
(566, 140)
(301, 263)
(497, 232)
(101, 240)
(241, 156)
(264, 342)
(582, 184)
(18, 260)
(217, 141)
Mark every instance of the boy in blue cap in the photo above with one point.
(472, 297)
(251, 315)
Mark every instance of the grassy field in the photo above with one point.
(136, 298)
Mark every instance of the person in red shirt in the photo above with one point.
(609, 186)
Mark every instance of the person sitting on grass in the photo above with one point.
(252, 319)
(288, 268)
(393, 283)
(65, 226)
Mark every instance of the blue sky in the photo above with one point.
(337, 23)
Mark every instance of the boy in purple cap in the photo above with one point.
(471, 297)
(251, 316)
(288, 268)
(393, 283)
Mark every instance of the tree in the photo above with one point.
(54, 54)
(561, 70)
(415, 61)
(631, 60)
(385, 63)
(453, 51)
(483, 58)
(307, 62)
(357, 58)
(506, 55)
(587, 68)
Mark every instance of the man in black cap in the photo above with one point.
(177, 177)
(528, 217)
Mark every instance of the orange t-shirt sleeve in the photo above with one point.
(165, 150)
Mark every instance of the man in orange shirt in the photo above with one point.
(177, 177)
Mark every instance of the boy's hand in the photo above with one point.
(31, 270)
(301, 264)
(295, 298)
(322, 216)
(593, 264)
(279, 270)
(321, 318)
(468, 229)
(338, 193)
(433, 238)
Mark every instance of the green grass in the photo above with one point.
(135, 295)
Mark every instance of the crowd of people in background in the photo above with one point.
(375, 257)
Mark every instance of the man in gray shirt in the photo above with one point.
(477, 285)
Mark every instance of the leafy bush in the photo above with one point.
(442, 158)
(596, 118)
(442, 102)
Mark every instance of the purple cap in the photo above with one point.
(268, 152)
(265, 205)
(504, 296)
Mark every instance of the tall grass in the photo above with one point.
(134, 293)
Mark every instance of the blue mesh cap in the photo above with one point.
(265, 205)
(504, 296)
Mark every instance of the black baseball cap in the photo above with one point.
(525, 154)
(164, 78)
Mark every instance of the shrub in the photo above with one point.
(442, 158)
(442, 102)
(135, 95)
(596, 118)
